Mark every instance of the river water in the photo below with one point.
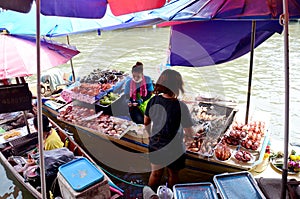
(122, 48)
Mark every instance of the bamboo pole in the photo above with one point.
(71, 62)
(39, 102)
(250, 70)
(287, 96)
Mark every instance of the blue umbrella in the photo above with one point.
(25, 24)
(53, 26)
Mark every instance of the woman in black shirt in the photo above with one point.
(171, 124)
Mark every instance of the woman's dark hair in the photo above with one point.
(46, 123)
(169, 82)
(138, 67)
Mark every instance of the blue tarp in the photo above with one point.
(51, 26)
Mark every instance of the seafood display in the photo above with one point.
(248, 136)
(207, 147)
(204, 140)
(240, 144)
(211, 121)
(104, 76)
(222, 152)
(88, 118)
(94, 86)
(202, 113)
(89, 93)
(199, 137)
(244, 156)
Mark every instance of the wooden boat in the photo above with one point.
(197, 167)
(20, 146)
(101, 144)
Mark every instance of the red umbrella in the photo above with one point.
(18, 55)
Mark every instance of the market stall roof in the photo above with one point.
(83, 8)
(96, 8)
(204, 43)
(53, 26)
(225, 10)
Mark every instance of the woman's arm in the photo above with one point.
(147, 124)
(188, 135)
(149, 94)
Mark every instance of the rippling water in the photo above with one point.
(121, 49)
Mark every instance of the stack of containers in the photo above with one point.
(81, 179)
(238, 185)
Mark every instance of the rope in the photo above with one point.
(116, 177)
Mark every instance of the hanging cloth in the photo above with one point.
(133, 89)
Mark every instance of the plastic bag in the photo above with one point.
(54, 159)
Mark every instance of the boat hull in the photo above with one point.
(29, 190)
(99, 147)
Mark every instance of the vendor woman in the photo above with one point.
(138, 91)
(50, 136)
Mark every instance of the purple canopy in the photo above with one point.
(96, 8)
(204, 43)
(225, 9)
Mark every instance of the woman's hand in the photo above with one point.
(188, 136)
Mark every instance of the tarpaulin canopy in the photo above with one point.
(96, 8)
(222, 31)
(51, 26)
(225, 9)
(83, 8)
(25, 24)
(204, 43)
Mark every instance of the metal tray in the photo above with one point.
(237, 185)
(108, 105)
(220, 110)
(203, 190)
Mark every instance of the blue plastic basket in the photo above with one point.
(81, 173)
(203, 190)
(237, 185)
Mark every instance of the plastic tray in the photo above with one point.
(80, 173)
(237, 185)
(203, 190)
(108, 105)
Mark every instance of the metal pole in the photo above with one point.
(250, 70)
(39, 102)
(26, 122)
(73, 73)
(287, 97)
